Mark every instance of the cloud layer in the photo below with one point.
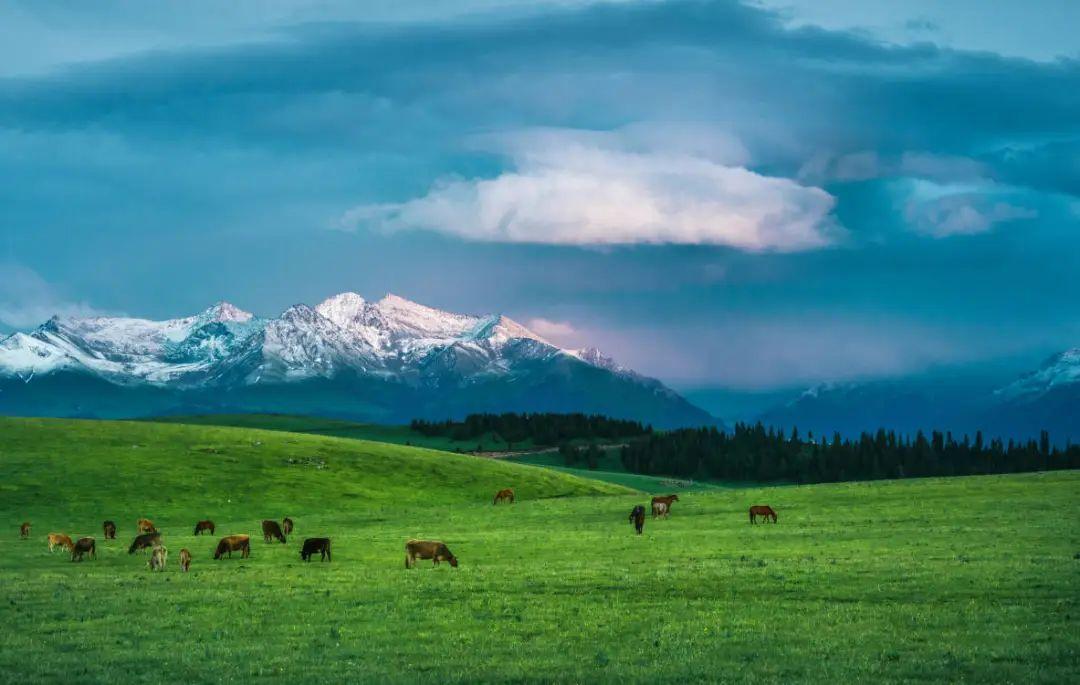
(568, 189)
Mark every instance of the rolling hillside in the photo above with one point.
(945, 580)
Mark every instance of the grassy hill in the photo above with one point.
(966, 579)
(342, 428)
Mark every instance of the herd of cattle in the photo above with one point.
(149, 537)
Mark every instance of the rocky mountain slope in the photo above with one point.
(390, 360)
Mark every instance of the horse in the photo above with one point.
(287, 525)
(204, 525)
(272, 531)
(24, 530)
(637, 516)
(145, 526)
(158, 557)
(504, 496)
(185, 560)
(666, 501)
(109, 529)
(84, 546)
(762, 510)
(428, 549)
(60, 540)
(232, 543)
(144, 541)
(313, 545)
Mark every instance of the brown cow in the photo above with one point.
(313, 545)
(204, 525)
(60, 540)
(109, 528)
(84, 546)
(24, 530)
(185, 560)
(666, 501)
(506, 495)
(145, 526)
(428, 549)
(231, 543)
(762, 510)
(287, 525)
(145, 541)
(272, 531)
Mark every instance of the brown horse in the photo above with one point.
(84, 546)
(287, 525)
(145, 526)
(762, 510)
(60, 540)
(661, 505)
(204, 525)
(185, 560)
(232, 543)
(109, 529)
(24, 530)
(506, 495)
(637, 516)
(144, 541)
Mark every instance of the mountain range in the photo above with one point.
(386, 361)
(1047, 398)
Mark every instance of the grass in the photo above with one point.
(342, 428)
(958, 580)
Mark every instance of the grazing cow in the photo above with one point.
(84, 546)
(313, 545)
(109, 529)
(428, 549)
(145, 526)
(158, 557)
(665, 510)
(231, 543)
(272, 531)
(145, 541)
(185, 560)
(506, 495)
(204, 525)
(638, 518)
(287, 525)
(762, 510)
(60, 540)
(24, 530)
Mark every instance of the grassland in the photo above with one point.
(342, 428)
(968, 579)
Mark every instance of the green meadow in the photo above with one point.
(958, 580)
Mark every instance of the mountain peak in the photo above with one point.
(226, 311)
(342, 308)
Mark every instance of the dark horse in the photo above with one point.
(316, 545)
(638, 517)
(109, 528)
(204, 525)
(762, 510)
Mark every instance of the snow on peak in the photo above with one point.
(343, 308)
(1061, 369)
(226, 311)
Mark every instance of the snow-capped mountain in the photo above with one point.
(390, 352)
(963, 401)
(1058, 372)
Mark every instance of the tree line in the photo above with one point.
(541, 428)
(757, 453)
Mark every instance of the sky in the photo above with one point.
(751, 195)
